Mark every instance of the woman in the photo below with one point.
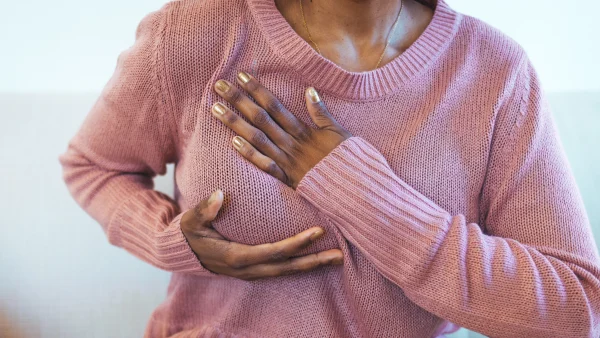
(417, 138)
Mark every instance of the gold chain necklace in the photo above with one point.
(388, 39)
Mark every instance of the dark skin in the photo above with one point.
(353, 33)
(275, 141)
(250, 262)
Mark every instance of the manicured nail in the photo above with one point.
(219, 108)
(222, 86)
(312, 94)
(213, 196)
(237, 142)
(315, 235)
(244, 77)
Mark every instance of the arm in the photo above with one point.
(534, 273)
(126, 139)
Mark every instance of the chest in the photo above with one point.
(440, 151)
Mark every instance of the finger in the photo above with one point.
(254, 113)
(263, 162)
(291, 266)
(255, 136)
(206, 211)
(242, 255)
(272, 105)
(317, 110)
(197, 221)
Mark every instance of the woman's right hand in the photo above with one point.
(249, 262)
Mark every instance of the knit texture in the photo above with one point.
(454, 202)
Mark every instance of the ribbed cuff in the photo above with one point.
(394, 225)
(146, 228)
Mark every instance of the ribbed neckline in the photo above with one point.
(327, 76)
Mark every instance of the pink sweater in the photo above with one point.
(454, 203)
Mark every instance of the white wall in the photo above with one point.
(69, 45)
(65, 45)
(560, 37)
(59, 276)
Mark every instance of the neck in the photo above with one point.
(353, 33)
(368, 20)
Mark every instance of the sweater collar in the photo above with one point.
(328, 77)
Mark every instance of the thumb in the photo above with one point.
(317, 110)
(203, 213)
(211, 207)
(197, 220)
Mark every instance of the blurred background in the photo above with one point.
(59, 276)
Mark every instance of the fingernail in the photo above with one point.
(338, 261)
(222, 86)
(237, 142)
(316, 234)
(313, 95)
(244, 77)
(213, 196)
(219, 108)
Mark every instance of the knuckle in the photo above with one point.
(288, 269)
(271, 167)
(237, 263)
(230, 118)
(261, 118)
(274, 105)
(231, 263)
(322, 116)
(295, 148)
(304, 242)
(249, 152)
(320, 109)
(278, 255)
(234, 96)
(199, 215)
(303, 134)
(320, 259)
(230, 259)
(258, 138)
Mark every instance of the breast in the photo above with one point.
(257, 207)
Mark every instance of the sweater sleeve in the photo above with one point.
(126, 139)
(534, 271)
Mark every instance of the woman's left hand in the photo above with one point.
(277, 142)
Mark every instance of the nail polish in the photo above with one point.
(219, 108)
(244, 77)
(237, 142)
(313, 95)
(315, 235)
(222, 86)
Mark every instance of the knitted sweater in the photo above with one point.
(453, 203)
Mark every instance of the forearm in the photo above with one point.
(493, 285)
(133, 215)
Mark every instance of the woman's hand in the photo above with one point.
(249, 262)
(277, 142)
